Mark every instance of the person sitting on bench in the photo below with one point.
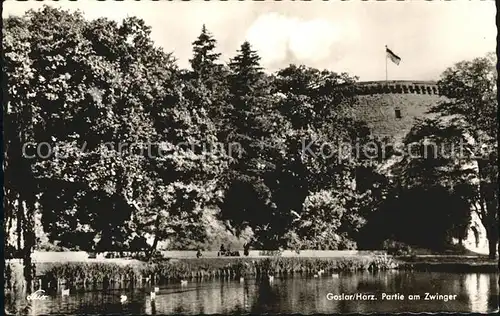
(222, 251)
(246, 248)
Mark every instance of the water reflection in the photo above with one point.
(475, 293)
(478, 286)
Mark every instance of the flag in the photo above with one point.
(393, 57)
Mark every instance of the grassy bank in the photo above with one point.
(205, 268)
(451, 267)
(449, 263)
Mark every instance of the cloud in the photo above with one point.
(278, 38)
(269, 35)
(313, 40)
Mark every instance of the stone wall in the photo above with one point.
(392, 114)
(398, 87)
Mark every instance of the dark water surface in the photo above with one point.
(475, 292)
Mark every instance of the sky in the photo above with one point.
(347, 36)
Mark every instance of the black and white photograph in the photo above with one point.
(250, 157)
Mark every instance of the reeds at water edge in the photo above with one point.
(142, 273)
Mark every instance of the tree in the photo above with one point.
(321, 155)
(203, 61)
(330, 221)
(246, 71)
(249, 101)
(277, 174)
(20, 184)
(127, 145)
(81, 113)
(185, 177)
(462, 138)
(207, 84)
(471, 87)
(248, 95)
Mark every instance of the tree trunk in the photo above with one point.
(19, 224)
(153, 248)
(489, 204)
(29, 243)
(155, 242)
(491, 227)
(492, 249)
(498, 260)
(499, 265)
(492, 235)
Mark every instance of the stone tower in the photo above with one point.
(390, 109)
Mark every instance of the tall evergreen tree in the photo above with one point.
(246, 70)
(204, 57)
(249, 99)
(249, 96)
(206, 86)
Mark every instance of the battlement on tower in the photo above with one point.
(390, 108)
(397, 87)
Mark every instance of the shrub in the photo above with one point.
(397, 248)
(383, 262)
(47, 246)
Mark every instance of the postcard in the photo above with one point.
(255, 157)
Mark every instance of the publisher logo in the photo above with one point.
(37, 296)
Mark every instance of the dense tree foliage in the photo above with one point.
(461, 142)
(126, 158)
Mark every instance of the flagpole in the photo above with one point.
(386, 76)
(385, 64)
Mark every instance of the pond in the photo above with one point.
(471, 292)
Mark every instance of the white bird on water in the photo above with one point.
(184, 282)
(123, 298)
(65, 292)
(156, 289)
